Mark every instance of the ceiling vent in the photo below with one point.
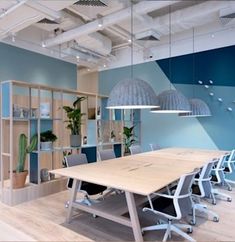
(148, 35)
(47, 21)
(227, 15)
(94, 3)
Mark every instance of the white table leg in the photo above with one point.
(73, 195)
(134, 216)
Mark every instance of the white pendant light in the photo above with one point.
(133, 93)
(171, 101)
(198, 107)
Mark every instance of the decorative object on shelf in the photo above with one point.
(129, 138)
(52, 176)
(74, 121)
(20, 174)
(85, 140)
(199, 109)
(171, 101)
(132, 93)
(45, 110)
(20, 112)
(112, 136)
(44, 175)
(33, 112)
(46, 140)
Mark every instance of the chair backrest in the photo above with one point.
(230, 161)
(154, 147)
(75, 159)
(135, 149)
(204, 180)
(106, 154)
(182, 196)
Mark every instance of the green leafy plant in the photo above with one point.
(24, 150)
(74, 116)
(48, 136)
(129, 137)
(112, 134)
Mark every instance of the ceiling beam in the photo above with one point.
(12, 9)
(108, 20)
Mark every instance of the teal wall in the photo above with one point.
(216, 132)
(23, 65)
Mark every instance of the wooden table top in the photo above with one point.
(144, 173)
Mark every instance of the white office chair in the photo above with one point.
(86, 188)
(154, 147)
(173, 207)
(202, 188)
(229, 166)
(218, 178)
(107, 154)
(135, 149)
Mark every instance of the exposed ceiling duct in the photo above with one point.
(139, 8)
(148, 35)
(94, 3)
(227, 15)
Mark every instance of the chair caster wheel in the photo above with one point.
(192, 222)
(189, 230)
(230, 189)
(214, 202)
(94, 215)
(142, 232)
(229, 199)
(216, 219)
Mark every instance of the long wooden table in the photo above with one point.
(141, 174)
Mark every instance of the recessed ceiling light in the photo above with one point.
(212, 36)
(104, 65)
(200, 82)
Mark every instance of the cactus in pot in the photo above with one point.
(20, 174)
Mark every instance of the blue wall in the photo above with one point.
(169, 129)
(23, 65)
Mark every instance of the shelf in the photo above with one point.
(109, 143)
(30, 119)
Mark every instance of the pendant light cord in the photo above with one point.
(194, 72)
(170, 42)
(132, 39)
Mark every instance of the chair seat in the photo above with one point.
(196, 189)
(92, 189)
(164, 205)
(214, 178)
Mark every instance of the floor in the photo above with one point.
(43, 220)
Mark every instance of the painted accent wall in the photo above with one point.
(24, 65)
(216, 132)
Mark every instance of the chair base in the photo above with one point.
(85, 201)
(172, 228)
(222, 195)
(203, 208)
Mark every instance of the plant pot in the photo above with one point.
(46, 145)
(19, 179)
(75, 140)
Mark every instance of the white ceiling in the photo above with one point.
(92, 36)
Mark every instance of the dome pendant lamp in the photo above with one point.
(132, 93)
(171, 101)
(198, 107)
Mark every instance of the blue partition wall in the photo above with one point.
(216, 132)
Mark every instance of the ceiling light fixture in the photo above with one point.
(132, 93)
(100, 22)
(198, 107)
(43, 44)
(171, 101)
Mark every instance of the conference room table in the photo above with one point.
(140, 174)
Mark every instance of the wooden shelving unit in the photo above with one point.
(29, 96)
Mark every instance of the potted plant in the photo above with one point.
(46, 140)
(20, 174)
(128, 138)
(112, 136)
(74, 121)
